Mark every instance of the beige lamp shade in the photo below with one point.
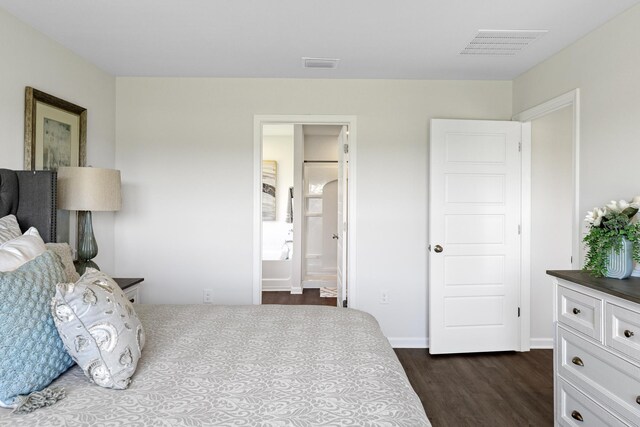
(89, 189)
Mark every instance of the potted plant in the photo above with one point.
(613, 240)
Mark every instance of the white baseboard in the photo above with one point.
(276, 288)
(408, 342)
(404, 342)
(541, 343)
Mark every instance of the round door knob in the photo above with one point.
(576, 311)
(438, 249)
(628, 333)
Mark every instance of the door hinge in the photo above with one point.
(344, 304)
(519, 146)
(519, 229)
(518, 311)
(346, 148)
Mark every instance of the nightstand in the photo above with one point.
(131, 287)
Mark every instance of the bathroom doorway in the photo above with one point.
(303, 241)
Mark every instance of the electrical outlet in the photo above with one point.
(384, 297)
(207, 296)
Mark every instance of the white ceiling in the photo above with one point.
(408, 39)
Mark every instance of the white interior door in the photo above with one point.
(474, 233)
(343, 179)
(330, 227)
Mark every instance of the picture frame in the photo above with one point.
(55, 134)
(269, 180)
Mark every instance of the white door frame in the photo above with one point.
(258, 122)
(569, 99)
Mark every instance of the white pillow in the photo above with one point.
(20, 250)
(99, 328)
(9, 228)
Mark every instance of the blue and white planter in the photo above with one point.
(620, 264)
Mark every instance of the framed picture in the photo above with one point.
(55, 134)
(269, 177)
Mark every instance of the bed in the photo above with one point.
(246, 366)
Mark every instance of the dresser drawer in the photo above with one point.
(133, 294)
(580, 312)
(576, 409)
(609, 379)
(622, 330)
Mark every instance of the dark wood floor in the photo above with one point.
(489, 389)
(308, 297)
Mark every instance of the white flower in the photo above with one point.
(590, 217)
(613, 206)
(635, 202)
(595, 216)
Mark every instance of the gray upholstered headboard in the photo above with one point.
(31, 197)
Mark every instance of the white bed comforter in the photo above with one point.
(264, 365)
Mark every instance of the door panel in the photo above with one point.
(343, 214)
(474, 188)
(474, 282)
(487, 148)
(473, 270)
(474, 229)
(470, 312)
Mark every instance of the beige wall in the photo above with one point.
(321, 148)
(605, 65)
(185, 148)
(28, 58)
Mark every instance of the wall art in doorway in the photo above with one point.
(269, 179)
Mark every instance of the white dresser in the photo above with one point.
(596, 350)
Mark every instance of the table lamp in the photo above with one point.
(87, 189)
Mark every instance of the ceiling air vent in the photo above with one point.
(501, 42)
(324, 63)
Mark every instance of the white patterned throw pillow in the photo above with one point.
(9, 228)
(99, 328)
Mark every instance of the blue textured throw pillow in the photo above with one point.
(32, 354)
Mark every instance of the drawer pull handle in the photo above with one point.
(577, 361)
(638, 400)
(576, 311)
(576, 416)
(628, 333)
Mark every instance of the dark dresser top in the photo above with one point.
(125, 283)
(628, 289)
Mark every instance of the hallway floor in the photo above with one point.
(308, 297)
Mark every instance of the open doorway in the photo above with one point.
(551, 212)
(551, 216)
(302, 235)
